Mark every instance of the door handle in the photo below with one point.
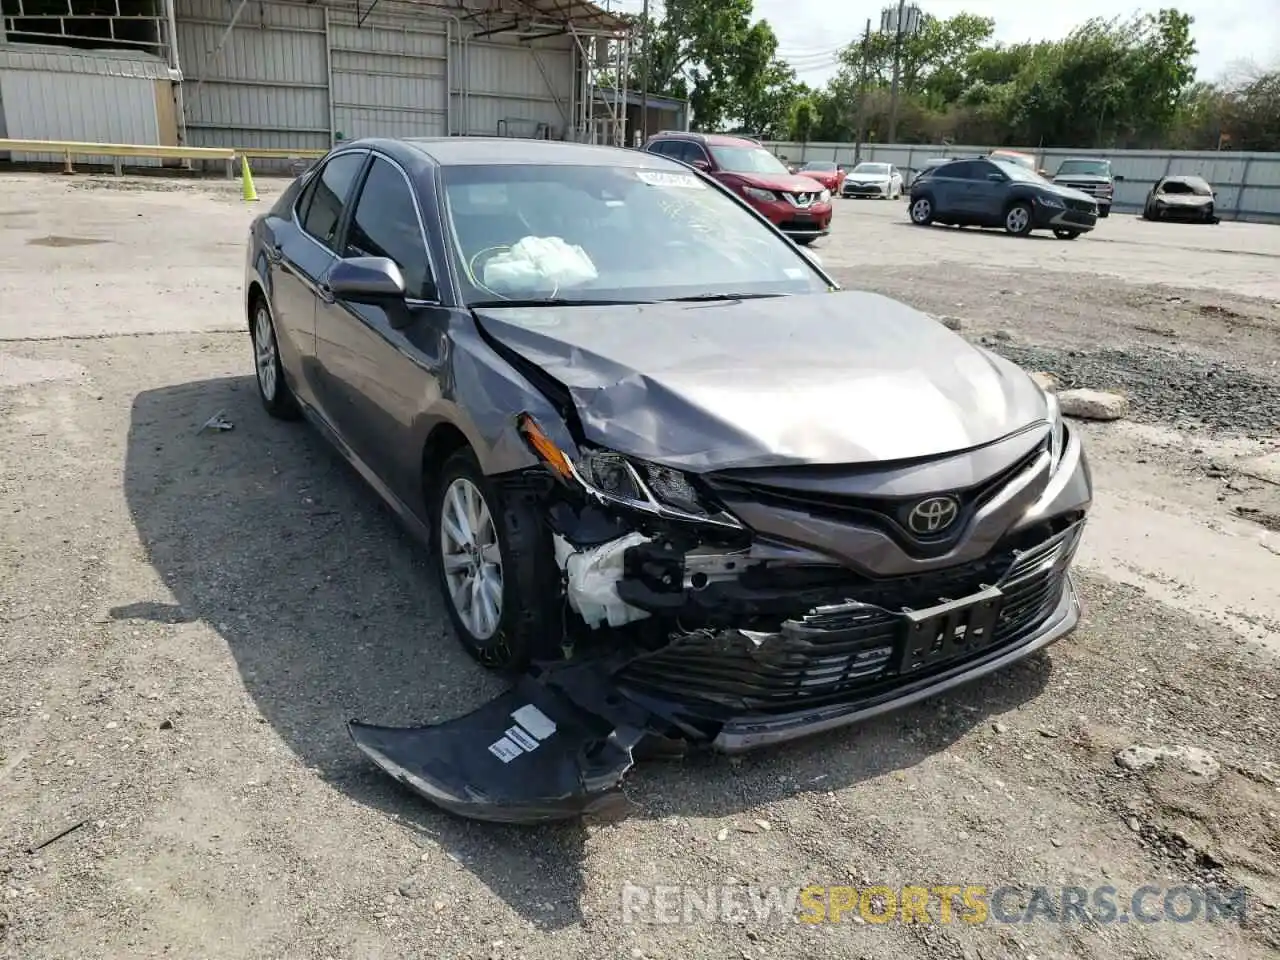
(325, 292)
(275, 253)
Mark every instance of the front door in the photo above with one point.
(380, 377)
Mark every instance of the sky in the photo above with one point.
(1227, 32)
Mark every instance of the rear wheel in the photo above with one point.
(1017, 220)
(805, 241)
(921, 211)
(1066, 234)
(274, 393)
(496, 568)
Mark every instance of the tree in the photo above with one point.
(803, 119)
(709, 52)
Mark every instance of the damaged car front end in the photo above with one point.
(679, 484)
(731, 588)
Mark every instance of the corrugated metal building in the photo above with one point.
(301, 74)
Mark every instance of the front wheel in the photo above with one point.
(1066, 234)
(1017, 220)
(495, 565)
(921, 211)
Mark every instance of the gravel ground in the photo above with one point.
(190, 616)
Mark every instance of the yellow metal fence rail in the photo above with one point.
(119, 151)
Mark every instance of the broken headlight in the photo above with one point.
(627, 482)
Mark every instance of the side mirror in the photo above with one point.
(1118, 178)
(702, 165)
(375, 281)
(996, 177)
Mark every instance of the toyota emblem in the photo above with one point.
(933, 515)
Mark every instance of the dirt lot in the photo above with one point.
(189, 617)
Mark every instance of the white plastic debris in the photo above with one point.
(218, 422)
(593, 580)
(537, 262)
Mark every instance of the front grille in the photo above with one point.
(802, 200)
(849, 651)
(862, 188)
(1093, 188)
(1082, 206)
(887, 514)
(1074, 216)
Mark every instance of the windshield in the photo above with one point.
(1085, 168)
(610, 233)
(1193, 186)
(747, 160)
(817, 166)
(872, 168)
(1016, 171)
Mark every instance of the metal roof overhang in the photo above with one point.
(527, 17)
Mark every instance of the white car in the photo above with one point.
(880, 180)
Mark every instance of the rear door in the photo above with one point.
(378, 377)
(301, 257)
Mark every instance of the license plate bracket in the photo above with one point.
(949, 630)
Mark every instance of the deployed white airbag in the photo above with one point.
(535, 263)
(593, 580)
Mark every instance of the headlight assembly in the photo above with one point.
(824, 196)
(1045, 200)
(610, 477)
(1058, 431)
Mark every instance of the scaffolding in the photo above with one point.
(602, 44)
(138, 25)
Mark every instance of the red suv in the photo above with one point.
(796, 205)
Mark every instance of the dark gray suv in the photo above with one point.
(994, 193)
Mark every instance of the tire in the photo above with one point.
(1104, 212)
(511, 551)
(1017, 219)
(804, 241)
(277, 399)
(921, 211)
(1067, 234)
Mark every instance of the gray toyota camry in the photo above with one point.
(677, 483)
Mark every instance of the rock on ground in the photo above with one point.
(1190, 759)
(1093, 404)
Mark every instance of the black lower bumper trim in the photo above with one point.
(745, 733)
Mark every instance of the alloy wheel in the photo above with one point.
(921, 210)
(1016, 220)
(264, 349)
(472, 558)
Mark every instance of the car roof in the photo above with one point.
(711, 139)
(499, 151)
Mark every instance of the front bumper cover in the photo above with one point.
(558, 745)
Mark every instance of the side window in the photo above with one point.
(964, 170)
(694, 151)
(385, 224)
(321, 211)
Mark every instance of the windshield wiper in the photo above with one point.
(553, 302)
(701, 297)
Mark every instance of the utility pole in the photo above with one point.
(903, 20)
(862, 96)
(644, 75)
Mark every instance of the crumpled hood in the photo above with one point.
(839, 378)
(785, 182)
